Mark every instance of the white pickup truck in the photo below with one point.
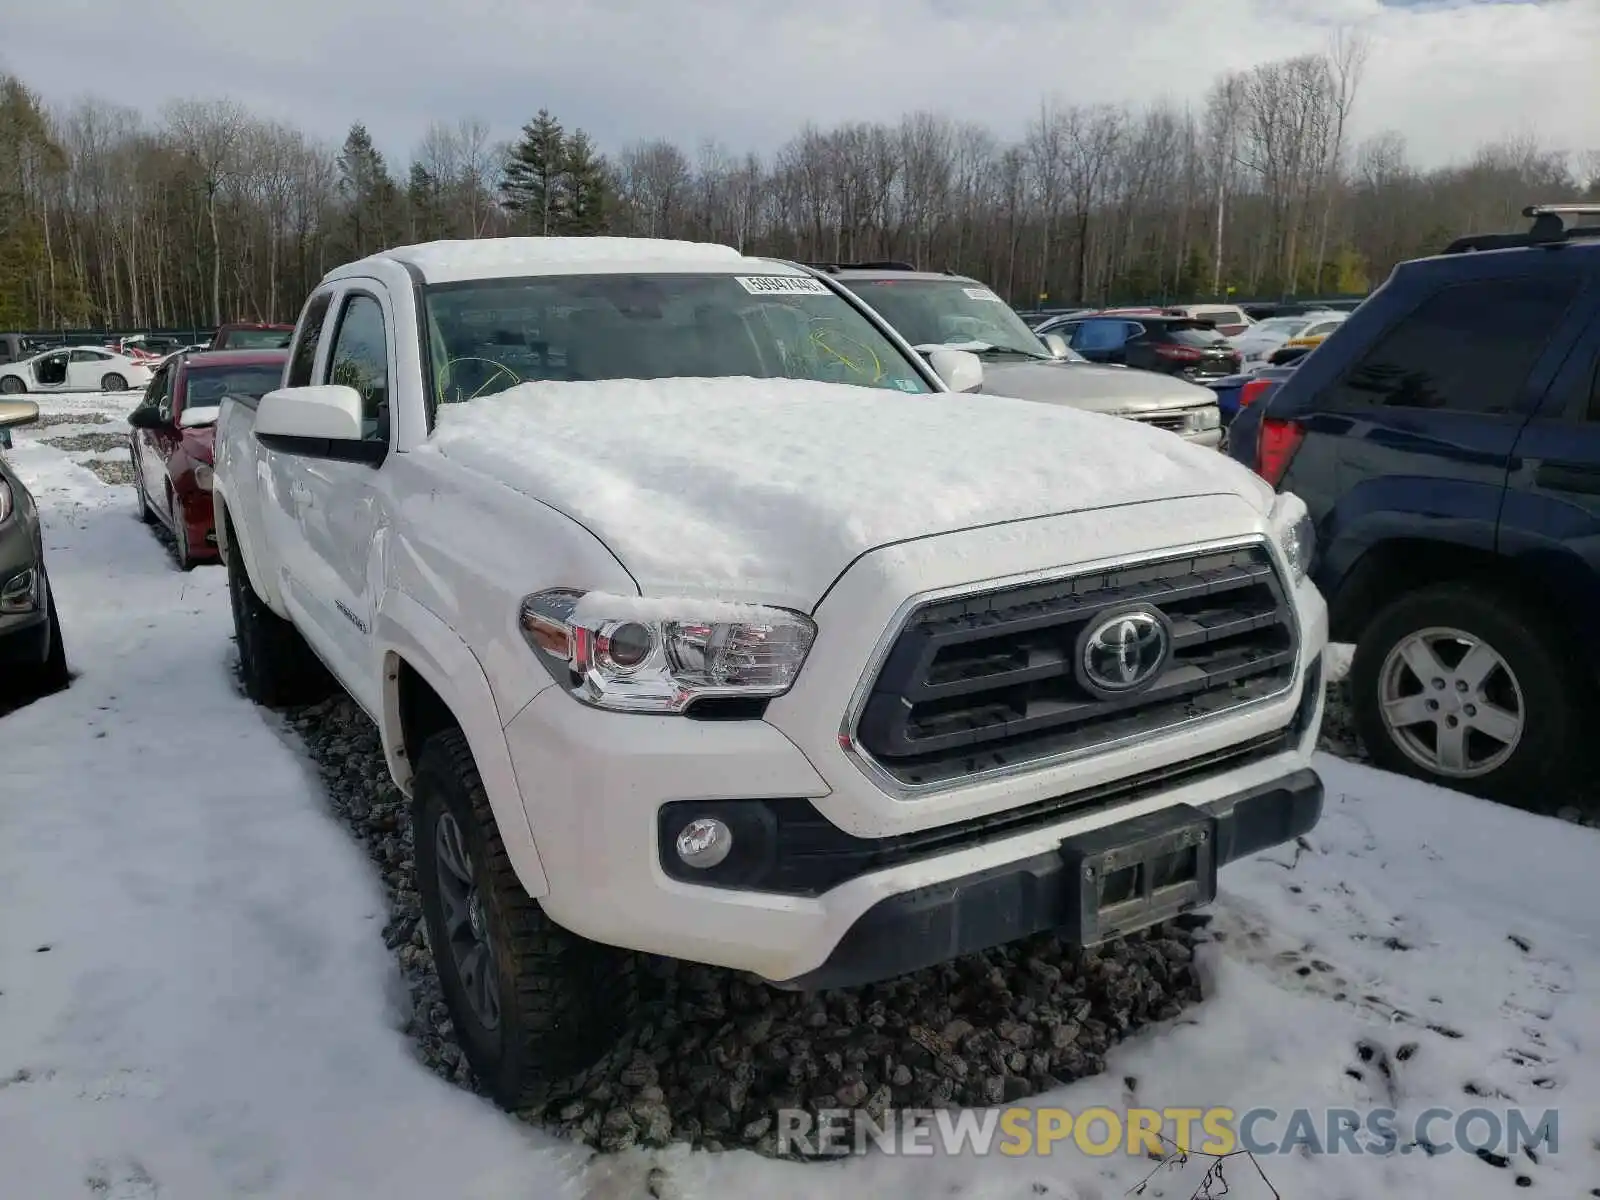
(702, 616)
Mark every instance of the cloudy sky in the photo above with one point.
(1448, 74)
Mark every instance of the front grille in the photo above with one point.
(1174, 422)
(988, 681)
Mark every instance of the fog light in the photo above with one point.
(21, 593)
(704, 843)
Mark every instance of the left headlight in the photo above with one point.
(7, 503)
(203, 476)
(1295, 534)
(631, 654)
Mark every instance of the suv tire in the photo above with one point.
(277, 666)
(539, 1012)
(1533, 670)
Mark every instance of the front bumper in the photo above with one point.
(595, 816)
(197, 511)
(1047, 893)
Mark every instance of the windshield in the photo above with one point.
(950, 312)
(486, 336)
(208, 385)
(258, 339)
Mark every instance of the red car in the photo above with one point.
(172, 433)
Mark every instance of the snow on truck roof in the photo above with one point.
(497, 258)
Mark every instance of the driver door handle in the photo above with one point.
(301, 495)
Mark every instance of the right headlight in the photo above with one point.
(631, 654)
(7, 503)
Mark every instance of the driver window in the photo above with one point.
(360, 360)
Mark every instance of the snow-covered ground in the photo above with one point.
(195, 1000)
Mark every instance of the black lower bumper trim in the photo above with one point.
(26, 643)
(1108, 882)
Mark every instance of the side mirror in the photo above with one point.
(327, 412)
(146, 417)
(961, 370)
(1057, 344)
(17, 412)
(194, 418)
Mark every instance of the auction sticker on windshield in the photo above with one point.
(782, 285)
(980, 294)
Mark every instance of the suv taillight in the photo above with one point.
(1276, 444)
(1181, 353)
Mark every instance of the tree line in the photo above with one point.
(205, 212)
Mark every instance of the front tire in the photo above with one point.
(146, 515)
(12, 386)
(1467, 688)
(277, 666)
(180, 537)
(538, 1011)
(112, 382)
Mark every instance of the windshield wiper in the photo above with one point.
(982, 348)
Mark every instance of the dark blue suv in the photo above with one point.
(1447, 442)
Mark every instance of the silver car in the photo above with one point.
(939, 311)
(33, 657)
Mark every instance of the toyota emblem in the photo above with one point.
(1124, 652)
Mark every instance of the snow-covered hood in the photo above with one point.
(766, 490)
(1091, 387)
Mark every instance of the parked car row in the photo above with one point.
(1162, 341)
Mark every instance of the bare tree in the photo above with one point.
(1224, 111)
(209, 133)
(1347, 60)
(108, 216)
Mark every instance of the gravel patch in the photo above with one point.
(97, 443)
(116, 471)
(719, 1053)
(46, 420)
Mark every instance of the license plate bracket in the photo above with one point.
(1137, 873)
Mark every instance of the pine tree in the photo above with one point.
(369, 192)
(425, 199)
(586, 187)
(531, 188)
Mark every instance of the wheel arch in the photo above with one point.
(229, 541)
(1393, 567)
(431, 681)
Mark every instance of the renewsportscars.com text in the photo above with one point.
(1158, 1132)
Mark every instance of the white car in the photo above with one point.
(699, 617)
(1257, 344)
(1229, 319)
(74, 369)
